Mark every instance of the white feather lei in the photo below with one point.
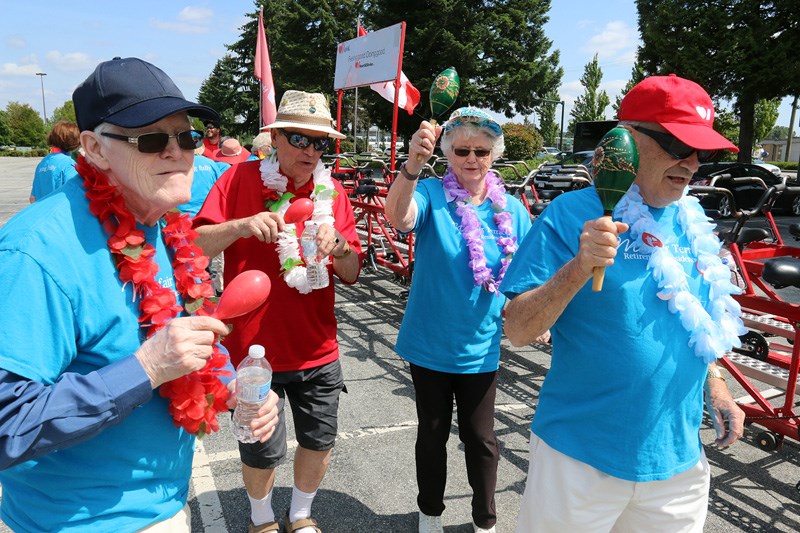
(715, 328)
(288, 245)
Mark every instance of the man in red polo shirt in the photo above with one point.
(297, 324)
(212, 138)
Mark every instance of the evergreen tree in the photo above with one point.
(26, 126)
(499, 49)
(591, 105)
(740, 50)
(302, 39)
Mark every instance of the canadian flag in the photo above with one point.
(408, 98)
(263, 72)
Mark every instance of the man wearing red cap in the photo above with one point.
(615, 442)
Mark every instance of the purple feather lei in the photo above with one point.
(472, 231)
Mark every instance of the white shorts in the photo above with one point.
(563, 494)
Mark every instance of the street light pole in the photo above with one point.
(561, 134)
(44, 109)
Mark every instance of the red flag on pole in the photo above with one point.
(263, 72)
(408, 97)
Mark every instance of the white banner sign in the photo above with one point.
(372, 58)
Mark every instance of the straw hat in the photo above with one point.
(308, 111)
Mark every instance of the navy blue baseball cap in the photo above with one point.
(131, 93)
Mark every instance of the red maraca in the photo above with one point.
(243, 294)
(299, 211)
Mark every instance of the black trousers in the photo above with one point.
(474, 396)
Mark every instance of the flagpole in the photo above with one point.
(355, 112)
(260, 81)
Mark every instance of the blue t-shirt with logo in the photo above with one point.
(71, 313)
(624, 389)
(206, 173)
(52, 173)
(450, 325)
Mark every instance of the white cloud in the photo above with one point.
(71, 61)
(195, 14)
(615, 39)
(12, 69)
(180, 27)
(15, 41)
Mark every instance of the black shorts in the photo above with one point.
(314, 397)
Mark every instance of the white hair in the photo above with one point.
(469, 130)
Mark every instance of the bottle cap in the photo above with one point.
(256, 350)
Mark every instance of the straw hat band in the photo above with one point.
(303, 119)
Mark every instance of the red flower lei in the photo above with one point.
(196, 398)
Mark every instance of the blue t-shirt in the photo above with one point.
(206, 173)
(624, 390)
(51, 174)
(71, 313)
(450, 325)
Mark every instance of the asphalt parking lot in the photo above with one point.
(371, 484)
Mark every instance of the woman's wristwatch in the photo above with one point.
(407, 175)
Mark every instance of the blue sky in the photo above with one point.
(66, 40)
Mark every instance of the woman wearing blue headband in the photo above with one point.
(467, 229)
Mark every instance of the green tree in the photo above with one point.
(500, 50)
(5, 129)
(778, 133)
(65, 112)
(302, 39)
(522, 141)
(765, 116)
(26, 126)
(591, 105)
(637, 75)
(547, 119)
(740, 50)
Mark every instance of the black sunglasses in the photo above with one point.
(153, 143)
(464, 152)
(298, 140)
(677, 148)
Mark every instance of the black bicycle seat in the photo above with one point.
(782, 272)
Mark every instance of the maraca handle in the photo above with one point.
(598, 275)
(420, 159)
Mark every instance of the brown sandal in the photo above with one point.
(300, 524)
(269, 527)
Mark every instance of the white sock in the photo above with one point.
(261, 510)
(301, 507)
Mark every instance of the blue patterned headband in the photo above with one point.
(472, 115)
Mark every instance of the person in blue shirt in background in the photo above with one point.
(206, 173)
(87, 443)
(57, 166)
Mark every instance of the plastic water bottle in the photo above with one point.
(316, 271)
(253, 380)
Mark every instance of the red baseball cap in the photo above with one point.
(681, 106)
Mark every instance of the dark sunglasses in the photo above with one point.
(153, 143)
(464, 152)
(298, 140)
(677, 148)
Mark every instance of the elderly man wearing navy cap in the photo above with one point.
(615, 442)
(98, 277)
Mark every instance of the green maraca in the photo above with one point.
(443, 94)
(614, 167)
